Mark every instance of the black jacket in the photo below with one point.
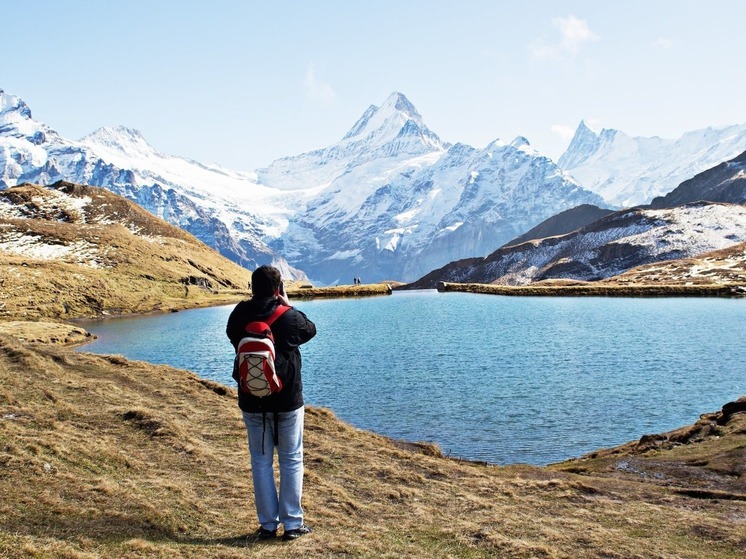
(289, 331)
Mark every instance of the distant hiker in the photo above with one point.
(276, 420)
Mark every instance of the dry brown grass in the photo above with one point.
(597, 289)
(721, 273)
(105, 457)
(366, 290)
(146, 266)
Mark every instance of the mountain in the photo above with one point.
(427, 211)
(393, 201)
(628, 171)
(70, 250)
(225, 209)
(724, 183)
(383, 137)
(563, 222)
(390, 200)
(702, 214)
(607, 247)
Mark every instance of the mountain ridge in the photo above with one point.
(629, 171)
(706, 220)
(390, 200)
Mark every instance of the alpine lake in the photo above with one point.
(491, 378)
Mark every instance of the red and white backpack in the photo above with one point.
(256, 357)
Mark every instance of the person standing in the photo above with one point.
(275, 421)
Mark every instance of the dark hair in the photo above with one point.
(265, 281)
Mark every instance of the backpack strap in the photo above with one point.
(279, 311)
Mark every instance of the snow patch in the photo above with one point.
(78, 252)
(344, 254)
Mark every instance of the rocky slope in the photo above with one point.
(563, 222)
(723, 183)
(605, 248)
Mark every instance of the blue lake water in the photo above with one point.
(500, 379)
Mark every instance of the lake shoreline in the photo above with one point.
(597, 290)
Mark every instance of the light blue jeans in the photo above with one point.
(271, 508)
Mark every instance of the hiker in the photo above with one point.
(276, 420)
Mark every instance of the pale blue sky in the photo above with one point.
(241, 83)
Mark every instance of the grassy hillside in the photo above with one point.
(102, 457)
(79, 251)
(105, 457)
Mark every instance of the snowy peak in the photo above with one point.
(16, 121)
(397, 117)
(390, 134)
(120, 139)
(520, 142)
(11, 106)
(395, 112)
(632, 170)
(585, 142)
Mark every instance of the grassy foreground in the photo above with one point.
(105, 457)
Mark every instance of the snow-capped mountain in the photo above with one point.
(607, 247)
(724, 183)
(399, 217)
(390, 133)
(628, 171)
(394, 200)
(390, 200)
(225, 209)
(702, 214)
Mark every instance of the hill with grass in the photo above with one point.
(102, 457)
(70, 251)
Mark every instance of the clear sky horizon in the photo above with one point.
(241, 83)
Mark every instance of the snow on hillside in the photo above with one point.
(628, 240)
(230, 195)
(608, 247)
(79, 252)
